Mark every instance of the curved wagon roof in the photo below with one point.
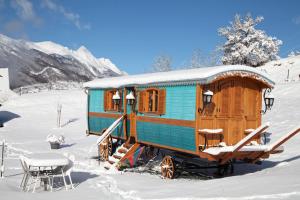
(200, 75)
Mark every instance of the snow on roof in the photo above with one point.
(199, 75)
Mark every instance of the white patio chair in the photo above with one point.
(65, 171)
(35, 176)
(25, 174)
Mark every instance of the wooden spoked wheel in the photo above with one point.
(106, 149)
(168, 167)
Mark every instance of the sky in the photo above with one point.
(133, 33)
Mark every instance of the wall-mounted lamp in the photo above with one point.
(130, 98)
(206, 99)
(268, 100)
(116, 98)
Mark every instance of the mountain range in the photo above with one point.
(43, 62)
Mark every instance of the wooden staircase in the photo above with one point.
(126, 155)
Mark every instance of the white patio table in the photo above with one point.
(46, 161)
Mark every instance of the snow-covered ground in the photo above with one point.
(31, 117)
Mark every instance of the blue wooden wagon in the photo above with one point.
(210, 113)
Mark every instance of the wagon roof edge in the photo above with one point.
(199, 75)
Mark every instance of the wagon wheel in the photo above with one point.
(106, 148)
(168, 167)
(226, 169)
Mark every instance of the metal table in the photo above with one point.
(47, 161)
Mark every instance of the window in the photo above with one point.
(109, 104)
(152, 100)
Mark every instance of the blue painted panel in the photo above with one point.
(97, 124)
(128, 127)
(180, 102)
(168, 135)
(96, 103)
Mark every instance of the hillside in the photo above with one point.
(284, 70)
(43, 62)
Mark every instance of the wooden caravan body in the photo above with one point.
(169, 112)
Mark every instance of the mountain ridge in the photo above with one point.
(44, 62)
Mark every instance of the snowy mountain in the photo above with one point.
(43, 62)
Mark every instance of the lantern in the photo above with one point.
(207, 97)
(116, 98)
(268, 100)
(130, 98)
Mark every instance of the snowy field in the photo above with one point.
(31, 117)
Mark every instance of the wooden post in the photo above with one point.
(2, 159)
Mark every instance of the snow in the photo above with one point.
(202, 75)
(211, 131)
(247, 45)
(284, 70)
(116, 96)
(46, 159)
(208, 92)
(45, 69)
(130, 96)
(109, 130)
(82, 54)
(29, 118)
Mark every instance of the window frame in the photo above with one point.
(157, 100)
(109, 105)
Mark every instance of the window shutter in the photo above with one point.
(141, 101)
(161, 101)
(105, 103)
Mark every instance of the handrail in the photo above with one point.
(110, 129)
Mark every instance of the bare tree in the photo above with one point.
(162, 63)
(200, 59)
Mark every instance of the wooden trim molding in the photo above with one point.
(168, 147)
(174, 122)
(104, 115)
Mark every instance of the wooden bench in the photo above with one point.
(210, 132)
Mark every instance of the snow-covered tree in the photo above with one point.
(162, 64)
(247, 45)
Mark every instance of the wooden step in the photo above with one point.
(122, 150)
(127, 145)
(111, 162)
(117, 157)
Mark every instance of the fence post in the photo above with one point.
(2, 159)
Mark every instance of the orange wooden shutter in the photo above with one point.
(161, 101)
(105, 100)
(141, 101)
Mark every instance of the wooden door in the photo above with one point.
(230, 110)
(252, 102)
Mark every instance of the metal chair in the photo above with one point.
(34, 174)
(65, 171)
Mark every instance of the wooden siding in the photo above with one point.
(180, 102)
(97, 124)
(236, 106)
(166, 135)
(96, 103)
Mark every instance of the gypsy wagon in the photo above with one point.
(213, 114)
